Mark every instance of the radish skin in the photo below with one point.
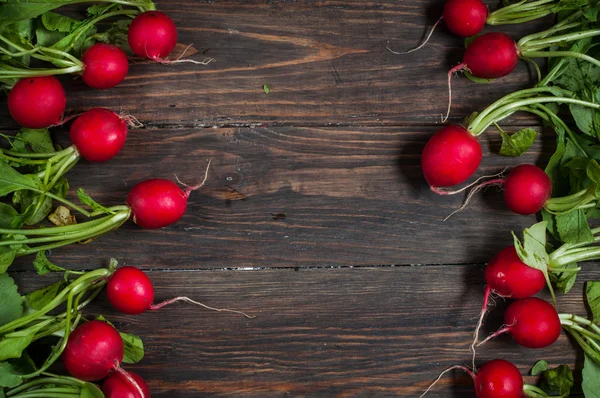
(152, 35)
(37, 102)
(117, 386)
(105, 66)
(465, 17)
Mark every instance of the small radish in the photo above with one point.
(495, 379)
(526, 189)
(465, 17)
(98, 134)
(489, 56)
(93, 351)
(105, 66)
(37, 102)
(153, 35)
(156, 203)
(532, 322)
(117, 386)
(450, 157)
(130, 291)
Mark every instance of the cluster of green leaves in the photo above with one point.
(25, 325)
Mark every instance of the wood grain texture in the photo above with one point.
(326, 63)
(369, 332)
(350, 196)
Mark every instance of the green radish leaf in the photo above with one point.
(591, 378)
(116, 35)
(7, 256)
(9, 217)
(12, 303)
(11, 180)
(593, 171)
(592, 295)
(34, 206)
(39, 298)
(12, 345)
(90, 390)
(551, 223)
(475, 79)
(10, 376)
(573, 227)
(38, 140)
(564, 281)
(87, 200)
(58, 22)
(266, 88)
(134, 348)
(558, 381)
(42, 265)
(533, 250)
(591, 14)
(539, 367)
(517, 143)
(96, 10)
(585, 119)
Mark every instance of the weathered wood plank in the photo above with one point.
(349, 196)
(326, 63)
(326, 332)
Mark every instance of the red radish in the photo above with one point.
(508, 276)
(495, 379)
(489, 56)
(37, 102)
(130, 291)
(498, 379)
(98, 134)
(450, 157)
(533, 323)
(153, 35)
(526, 189)
(93, 351)
(117, 386)
(156, 203)
(465, 17)
(105, 66)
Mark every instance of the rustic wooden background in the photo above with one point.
(315, 217)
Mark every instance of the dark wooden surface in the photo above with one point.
(342, 308)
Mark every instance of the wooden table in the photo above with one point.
(315, 216)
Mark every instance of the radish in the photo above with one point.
(465, 17)
(156, 203)
(130, 291)
(105, 66)
(37, 102)
(526, 189)
(450, 157)
(533, 323)
(153, 35)
(93, 351)
(117, 386)
(495, 379)
(98, 134)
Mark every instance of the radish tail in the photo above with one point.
(420, 45)
(130, 380)
(189, 300)
(463, 368)
(495, 334)
(486, 298)
(458, 68)
(494, 182)
(190, 188)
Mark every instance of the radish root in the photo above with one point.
(420, 45)
(494, 182)
(502, 330)
(486, 297)
(458, 68)
(189, 300)
(131, 120)
(188, 188)
(463, 368)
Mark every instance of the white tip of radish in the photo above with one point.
(458, 68)
(420, 45)
(189, 300)
(463, 368)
